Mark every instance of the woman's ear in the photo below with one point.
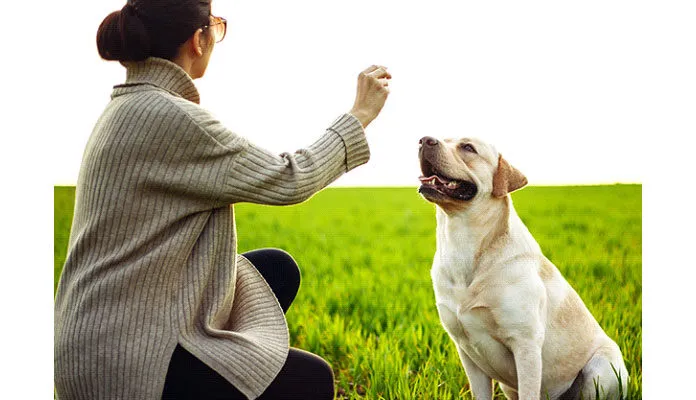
(197, 42)
(192, 47)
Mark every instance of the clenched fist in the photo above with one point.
(373, 89)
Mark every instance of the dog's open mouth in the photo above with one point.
(434, 182)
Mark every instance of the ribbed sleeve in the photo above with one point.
(152, 258)
(218, 165)
(262, 177)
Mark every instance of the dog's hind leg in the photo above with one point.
(509, 392)
(605, 374)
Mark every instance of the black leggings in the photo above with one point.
(304, 375)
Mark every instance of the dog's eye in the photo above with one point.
(468, 147)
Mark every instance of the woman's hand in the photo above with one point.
(373, 89)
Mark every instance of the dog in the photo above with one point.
(511, 314)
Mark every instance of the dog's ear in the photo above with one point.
(507, 178)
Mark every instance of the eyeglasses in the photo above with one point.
(219, 27)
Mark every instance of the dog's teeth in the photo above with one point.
(452, 185)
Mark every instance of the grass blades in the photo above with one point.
(366, 302)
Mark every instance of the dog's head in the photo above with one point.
(458, 172)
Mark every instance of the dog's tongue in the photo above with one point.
(423, 179)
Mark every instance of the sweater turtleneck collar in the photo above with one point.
(161, 73)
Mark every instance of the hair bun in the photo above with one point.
(122, 36)
(128, 9)
(150, 28)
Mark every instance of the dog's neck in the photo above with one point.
(472, 228)
(464, 237)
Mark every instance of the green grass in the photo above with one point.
(366, 302)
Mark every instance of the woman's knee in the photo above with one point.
(275, 262)
(321, 369)
(325, 385)
(280, 271)
(304, 376)
(291, 271)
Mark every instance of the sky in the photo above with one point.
(569, 92)
(560, 89)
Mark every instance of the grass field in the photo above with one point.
(366, 303)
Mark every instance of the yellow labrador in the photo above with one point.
(510, 312)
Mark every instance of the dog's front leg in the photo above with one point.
(481, 384)
(528, 363)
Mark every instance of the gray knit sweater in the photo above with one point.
(152, 258)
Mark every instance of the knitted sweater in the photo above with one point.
(152, 258)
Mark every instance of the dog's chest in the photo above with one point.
(466, 316)
(461, 310)
(452, 276)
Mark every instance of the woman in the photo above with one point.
(154, 302)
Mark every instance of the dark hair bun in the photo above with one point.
(122, 36)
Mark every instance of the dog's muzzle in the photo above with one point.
(434, 183)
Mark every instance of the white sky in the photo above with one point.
(562, 90)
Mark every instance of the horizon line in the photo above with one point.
(548, 184)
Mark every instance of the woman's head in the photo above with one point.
(156, 28)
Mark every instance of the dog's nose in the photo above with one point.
(428, 141)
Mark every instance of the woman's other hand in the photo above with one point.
(373, 89)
